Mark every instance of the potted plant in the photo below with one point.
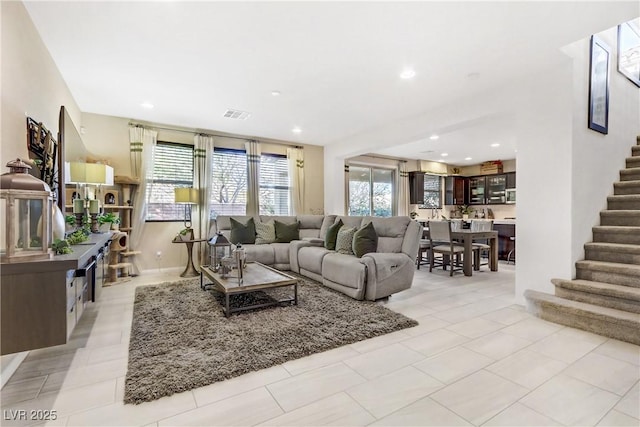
(413, 214)
(69, 223)
(465, 210)
(108, 220)
(185, 234)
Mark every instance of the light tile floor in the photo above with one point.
(475, 359)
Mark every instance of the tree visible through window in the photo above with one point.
(172, 167)
(274, 185)
(370, 191)
(229, 189)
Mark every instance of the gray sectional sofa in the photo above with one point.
(373, 276)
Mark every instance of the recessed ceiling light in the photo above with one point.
(434, 137)
(495, 144)
(408, 73)
(441, 160)
(467, 158)
(275, 93)
(296, 130)
(147, 105)
(444, 154)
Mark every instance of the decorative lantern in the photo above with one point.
(220, 247)
(25, 204)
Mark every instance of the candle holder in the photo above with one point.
(94, 222)
(79, 218)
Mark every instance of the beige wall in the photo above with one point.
(107, 138)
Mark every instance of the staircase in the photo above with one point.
(604, 298)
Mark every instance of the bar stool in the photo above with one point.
(512, 252)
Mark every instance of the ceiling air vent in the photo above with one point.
(236, 114)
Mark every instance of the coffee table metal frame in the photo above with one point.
(257, 277)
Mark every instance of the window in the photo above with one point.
(432, 184)
(172, 167)
(274, 185)
(370, 191)
(229, 189)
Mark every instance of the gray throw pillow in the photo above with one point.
(265, 232)
(365, 240)
(344, 240)
(242, 233)
(331, 236)
(287, 232)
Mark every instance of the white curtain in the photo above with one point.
(203, 181)
(295, 156)
(253, 177)
(403, 189)
(142, 149)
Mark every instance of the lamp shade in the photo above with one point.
(186, 195)
(88, 173)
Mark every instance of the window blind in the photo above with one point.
(274, 185)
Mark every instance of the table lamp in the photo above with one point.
(187, 196)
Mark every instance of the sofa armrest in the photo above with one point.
(315, 241)
(387, 273)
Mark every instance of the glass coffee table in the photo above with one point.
(256, 277)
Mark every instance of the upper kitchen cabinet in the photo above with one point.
(511, 180)
(416, 188)
(477, 187)
(455, 190)
(496, 186)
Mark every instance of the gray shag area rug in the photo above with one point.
(180, 339)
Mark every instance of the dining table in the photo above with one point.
(467, 237)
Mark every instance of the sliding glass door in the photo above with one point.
(371, 191)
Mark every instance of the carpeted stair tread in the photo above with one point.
(624, 202)
(624, 217)
(629, 174)
(626, 187)
(610, 267)
(632, 162)
(605, 321)
(616, 229)
(614, 247)
(635, 151)
(591, 310)
(601, 288)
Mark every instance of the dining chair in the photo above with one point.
(441, 243)
(480, 248)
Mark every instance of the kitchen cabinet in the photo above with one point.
(477, 187)
(496, 186)
(455, 190)
(511, 180)
(416, 188)
(42, 301)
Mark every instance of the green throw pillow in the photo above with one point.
(265, 232)
(332, 234)
(344, 241)
(243, 233)
(287, 232)
(365, 240)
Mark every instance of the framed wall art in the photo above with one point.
(600, 56)
(629, 51)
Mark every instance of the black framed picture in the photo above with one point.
(629, 51)
(600, 55)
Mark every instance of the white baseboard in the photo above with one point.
(168, 270)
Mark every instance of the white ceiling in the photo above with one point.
(336, 64)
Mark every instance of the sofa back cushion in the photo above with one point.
(351, 221)
(310, 225)
(390, 231)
